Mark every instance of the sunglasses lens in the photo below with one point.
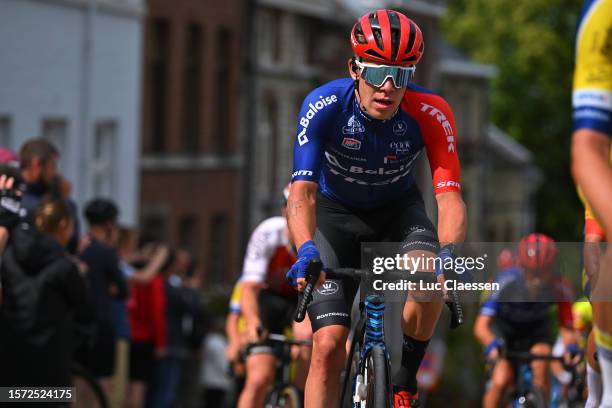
(377, 76)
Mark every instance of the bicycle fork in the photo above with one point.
(374, 336)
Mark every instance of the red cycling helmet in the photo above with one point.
(505, 259)
(387, 37)
(536, 251)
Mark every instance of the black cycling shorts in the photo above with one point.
(523, 336)
(276, 313)
(339, 234)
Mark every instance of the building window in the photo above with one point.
(219, 243)
(224, 83)
(105, 162)
(191, 90)
(269, 44)
(158, 73)
(55, 130)
(6, 137)
(154, 225)
(188, 233)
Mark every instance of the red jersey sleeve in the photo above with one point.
(566, 319)
(158, 300)
(437, 123)
(564, 305)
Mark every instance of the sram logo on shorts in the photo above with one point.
(328, 288)
(450, 183)
(441, 118)
(314, 109)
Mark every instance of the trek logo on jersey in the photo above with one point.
(302, 173)
(400, 147)
(441, 118)
(399, 129)
(352, 127)
(314, 109)
(351, 143)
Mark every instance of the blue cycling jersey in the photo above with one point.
(514, 304)
(363, 162)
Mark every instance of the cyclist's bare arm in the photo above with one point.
(233, 337)
(451, 217)
(301, 218)
(231, 328)
(482, 329)
(301, 215)
(249, 306)
(591, 169)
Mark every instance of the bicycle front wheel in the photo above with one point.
(378, 383)
(533, 399)
(285, 396)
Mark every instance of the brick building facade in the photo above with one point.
(191, 117)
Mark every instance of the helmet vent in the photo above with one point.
(411, 37)
(359, 36)
(378, 38)
(374, 54)
(394, 22)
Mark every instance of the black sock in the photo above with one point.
(413, 352)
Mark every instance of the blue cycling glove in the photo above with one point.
(307, 252)
(574, 350)
(496, 343)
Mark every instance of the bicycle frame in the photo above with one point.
(369, 332)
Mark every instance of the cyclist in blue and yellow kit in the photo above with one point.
(591, 165)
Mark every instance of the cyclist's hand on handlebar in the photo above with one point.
(572, 355)
(301, 282)
(306, 253)
(493, 350)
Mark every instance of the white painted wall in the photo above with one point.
(43, 54)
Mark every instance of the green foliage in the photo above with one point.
(532, 44)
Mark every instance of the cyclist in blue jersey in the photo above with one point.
(353, 181)
(517, 317)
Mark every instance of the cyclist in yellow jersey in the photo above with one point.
(591, 166)
(235, 325)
